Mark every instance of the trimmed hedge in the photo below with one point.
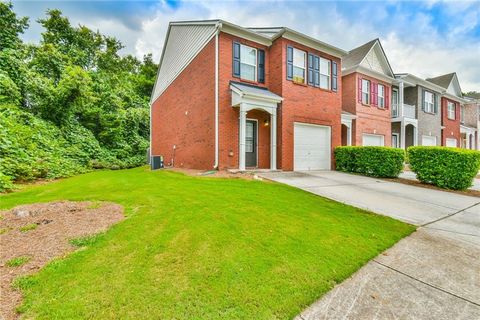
(449, 168)
(382, 162)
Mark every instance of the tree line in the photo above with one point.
(70, 103)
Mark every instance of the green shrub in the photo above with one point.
(449, 168)
(382, 162)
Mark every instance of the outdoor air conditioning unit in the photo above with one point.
(156, 163)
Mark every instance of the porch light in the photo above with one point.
(266, 123)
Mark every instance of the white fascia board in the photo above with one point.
(244, 33)
(368, 72)
(311, 42)
(452, 97)
(424, 83)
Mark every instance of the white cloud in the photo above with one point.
(410, 33)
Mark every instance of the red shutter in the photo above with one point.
(373, 91)
(387, 97)
(360, 90)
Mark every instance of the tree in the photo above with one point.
(10, 27)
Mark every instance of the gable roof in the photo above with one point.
(369, 58)
(185, 39)
(356, 56)
(450, 83)
(444, 80)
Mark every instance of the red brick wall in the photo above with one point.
(302, 103)
(228, 115)
(370, 119)
(452, 127)
(184, 115)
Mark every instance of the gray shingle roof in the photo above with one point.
(254, 90)
(355, 56)
(443, 81)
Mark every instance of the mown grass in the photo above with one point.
(201, 248)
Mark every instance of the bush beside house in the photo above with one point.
(449, 168)
(382, 162)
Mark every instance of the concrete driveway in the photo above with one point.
(432, 274)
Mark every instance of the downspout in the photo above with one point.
(215, 166)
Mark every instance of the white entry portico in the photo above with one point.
(249, 97)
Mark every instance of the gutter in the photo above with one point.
(219, 26)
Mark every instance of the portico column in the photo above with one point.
(467, 136)
(400, 99)
(415, 136)
(273, 140)
(242, 125)
(402, 134)
(349, 134)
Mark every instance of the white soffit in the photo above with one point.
(182, 44)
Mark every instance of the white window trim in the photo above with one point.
(449, 115)
(381, 96)
(398, 140)
(367, 92)
(304, 67)
(328, 75)
(429, 105)
(249, 64)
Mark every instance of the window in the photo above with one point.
(451, 110)
(395, 110)
(325, 70)
(248, 63)
(395, 140)
(381, 96)
(429, 102)
(299, 65)
(365, 91)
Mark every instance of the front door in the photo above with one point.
(251, 144)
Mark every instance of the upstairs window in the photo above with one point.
(248, 63)
(381, 96)
(325, 73)
(429, 102)
(451, 110)
(299, 66)
(365, 91)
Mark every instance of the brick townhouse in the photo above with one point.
(367, 79)
(229, 97)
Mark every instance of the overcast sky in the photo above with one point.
(424, 38)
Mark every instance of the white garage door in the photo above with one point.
(451, 142)
(429, 141)
(311, 149)
(373, 140)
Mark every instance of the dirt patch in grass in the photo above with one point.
(473, 193)
(214, 173)
(35, 234)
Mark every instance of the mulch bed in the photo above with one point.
(473, 193)
(56, 224)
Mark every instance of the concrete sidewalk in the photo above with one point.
(433, 274)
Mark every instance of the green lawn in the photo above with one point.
(202, 248)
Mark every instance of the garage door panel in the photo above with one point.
(373, 140)
(429, 141)
(311, 147)
(450, 142)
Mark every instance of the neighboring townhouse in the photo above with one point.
(416, 112)
(367, 79)
(451, 102)
(229, 97)
(470, 123)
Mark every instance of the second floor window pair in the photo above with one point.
(311, 69)
(451, 110)
(372, 93)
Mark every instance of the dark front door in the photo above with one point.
(251, 144)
